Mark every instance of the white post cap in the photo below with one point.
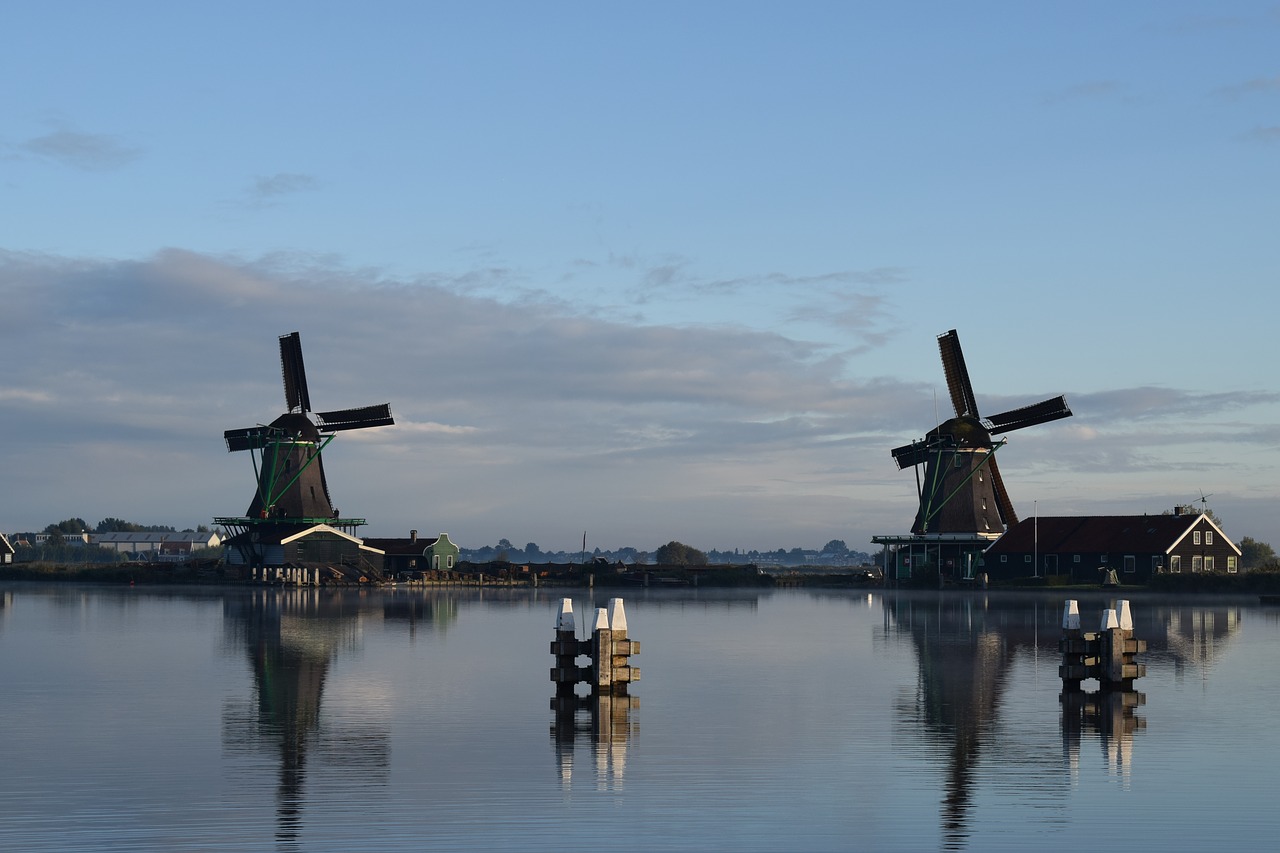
(602, 620)
(617, 615)
(1126, 617)
(1109, 620)
(1071, 615)
(564, 622)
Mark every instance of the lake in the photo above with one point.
(164, 719)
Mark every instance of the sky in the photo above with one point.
(648, 271)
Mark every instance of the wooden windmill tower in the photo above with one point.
(291, 493)
(961, 491)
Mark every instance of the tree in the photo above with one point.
(678, 554)
(835, 546)
(1255, 554)
(118, 525)
(69, 525)
(531, 550)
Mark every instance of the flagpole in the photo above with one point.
(1035, 548)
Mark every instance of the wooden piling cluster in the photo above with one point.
(610, 672)
(1106, 655)
(286, 575)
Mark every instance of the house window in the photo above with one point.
(1103, 559)
(1076, 558)
(435, 562)
(1130, 564)
(1157, 565)
(448, 561)
(1004, 558)
(1208, 537)
(1195, 538)
(1231, 565)
(1050, 564)
(1026, 558)
(1208, 563)
(1175, 564)
(1197, 563)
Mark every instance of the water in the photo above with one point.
(153, 719)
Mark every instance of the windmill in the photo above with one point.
(286, 453)
(961, 491)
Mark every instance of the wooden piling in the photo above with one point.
(620, 650)
(609, 648)
(1107, 655)
(566, 648)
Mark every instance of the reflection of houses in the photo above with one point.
(1135, 546)
(154, 545)
(407, 557)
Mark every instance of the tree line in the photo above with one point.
(54, 543)
(835, 552)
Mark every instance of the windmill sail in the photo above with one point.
(367, 416)
(295, 374)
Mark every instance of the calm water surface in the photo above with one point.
(159, 720)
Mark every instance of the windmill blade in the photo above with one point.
(295, 374)
(1038, 413)
(362, 418)
(919, 452)
(909, 455)
(957, 375)
(1003, 504)
(252, 438)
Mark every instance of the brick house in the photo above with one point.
(1135, 546)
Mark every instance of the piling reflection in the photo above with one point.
(1111, 718)
(601, 724)
(292, 637)
(967, 645)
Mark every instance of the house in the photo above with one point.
(6, 550)
(403, 557)
(1135, 546)
(304, 546)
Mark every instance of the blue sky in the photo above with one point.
(654, 271)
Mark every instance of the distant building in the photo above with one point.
(415, 554)
(156, 545)
(6, 550)
(1135, 546)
